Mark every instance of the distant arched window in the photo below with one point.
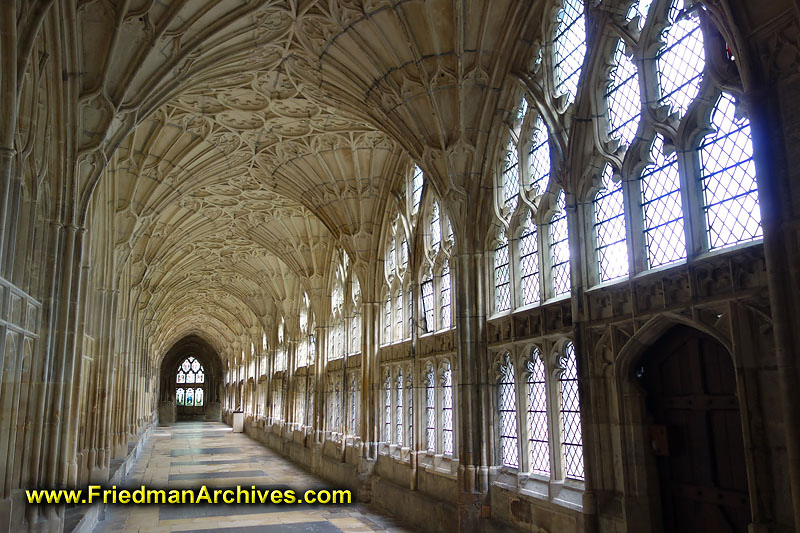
(507, 411)
(190, 373)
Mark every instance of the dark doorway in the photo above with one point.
(696, 433)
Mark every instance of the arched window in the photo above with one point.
(609, 229)
(502, 278)
(430, 410)
(623, 98)
(511, 178)
(410, 408)
(569, 47)
(387, 406)
(398, 406)
(539, 156)
(426, 289)
(444, 297)
(681, 62)
(570, 414)
(728, 178)
(661, 206)
(538, 432)
(447, 409)
(507, 412)
(529, 262)
(190, 372)
(417, 180)
(559, 248)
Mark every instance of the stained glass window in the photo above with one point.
(444, 298)
(611, 247)
(623, 98)
(430, 410)
(398, 406)
(198, 397)
(661, 203)
(682, 60)
(189, 397)
(539, 157)
(502, 280)
(529, 262)
(538, 434)
(507, 410)
(447, 410)
(427, 302)
(179, 396)
(570, 413)
(569, 48)
(559, 248)
(728, 178)
(189, 372)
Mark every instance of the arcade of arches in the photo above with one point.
(492, 264)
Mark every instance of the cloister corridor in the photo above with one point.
(190, 454)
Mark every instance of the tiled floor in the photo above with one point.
(191, 454)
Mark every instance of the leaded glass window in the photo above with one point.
(387, 407)
(623, 98)
(639, 9)
(387, 320)
(427, 302)
(416, 194)
(539, 157)
(682, 60)
(570, 414)
(662, 209)
(398, 406)
(502, 279)
(569, 48)
(507, 411)
(444, 298)
(447, 410)
(301, 399)
(189, 372)
(728, 178)
(398, 316)
(430, 410)
(410, 408)
(511, 178)
(559, 248)
(529, 262)
(538, 433)
(180, 395)
(611, 247)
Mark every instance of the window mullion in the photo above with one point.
(691, 198)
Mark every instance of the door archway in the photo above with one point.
(696, 433)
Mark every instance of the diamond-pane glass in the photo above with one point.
(430, 411)
(427, 303)
(623, 98)
(436, 228)
(661, 206)
(682, 60)
(559, 248)
(410, 410)
(387, 320)
(539, 157)
(609, 228)
(511, 178)
(444, 298)
(447, 411)
(507, 414)
(398, 405)
(569, 48)
(538, 433)
(728, 178)
(416, 194)
(398, 316)
(640, 9)
(571, 435)
(502, 279)
(529, 262)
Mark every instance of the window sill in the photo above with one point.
(564, 493)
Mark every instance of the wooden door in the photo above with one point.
(697, 433)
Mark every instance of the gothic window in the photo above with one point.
(353, 403)
(430, 410)
(539, 156)
(398, 406)
(410, 408)
(559, 248)
(681, 61)
(502, 278)
(661, 206)
(511, 178)
(639, 9)
(444, 297)
(417, 181)
(300, 395)
(398, 315)
(387, 407)
(728, 178)
(529, 262)
(611, 247)
(447, 410)
(426, 288)
(387, 320)
(507, 410)
(569, 47)
(570, 414)
(538, 433)
(623, 98)
(190, 372)
(436, 229)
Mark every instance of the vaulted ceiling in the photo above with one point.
(247, 140)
